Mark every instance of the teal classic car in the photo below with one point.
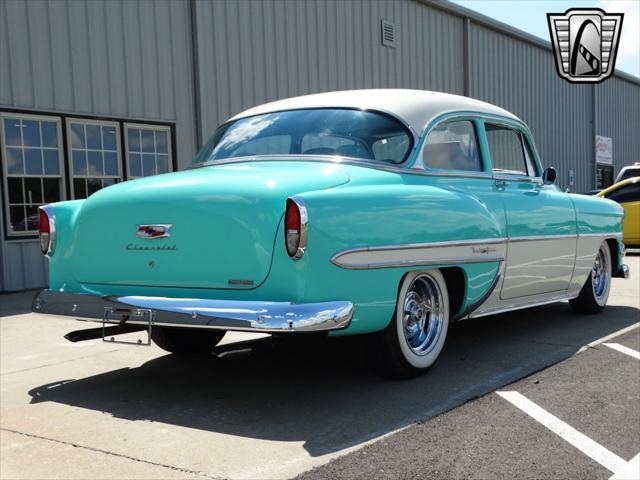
(390, 213)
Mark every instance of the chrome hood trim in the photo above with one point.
(267, 317)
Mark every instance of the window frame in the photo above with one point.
(4, 167)
(529, 153)
(68, 120)
(147, 126)
(476, 132)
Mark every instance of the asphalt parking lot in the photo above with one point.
(514, 395)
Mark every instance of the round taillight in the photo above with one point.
(295, 227)
(47, 230)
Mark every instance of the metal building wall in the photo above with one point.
(105, 58)
(254, 51)
(618, 117)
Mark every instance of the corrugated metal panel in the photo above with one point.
(521, 78)
(123, 59)
(254, 51)
(618, 117)
(24, 267)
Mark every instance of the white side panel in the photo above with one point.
(538, 266)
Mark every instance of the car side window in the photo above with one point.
(452, 146)
(508, 153)
(626, 193)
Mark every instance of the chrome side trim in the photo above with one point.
(523, 304)
(607, 234)
(448, 253)
(541, 238)
(251, 316)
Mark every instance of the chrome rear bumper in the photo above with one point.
(268, 317)
(622, 271)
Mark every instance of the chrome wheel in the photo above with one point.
(423, 314)
(600, 275)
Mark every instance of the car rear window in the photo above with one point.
(342, 133)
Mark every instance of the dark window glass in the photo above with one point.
(111, 163)
(386, 149)
(109, 181)
(148, 144)
(161, 142)
(505, 147)
(31, 133)
(452, 146)
(33, 161)
(109, 138)
(135, 165)
(626, 193)
(148, 165)
(95, 163)
(33, 190)
(18, 218)
(93, 185)
(16, 193)
(15, 163)
(79, 162)
(13, 132)
(94, 141)
(336, 132)
(133, 139)
(33, 218)
(79, 188)
(77, 135)
(49, 134)
(51, 187)
(51, 162)
(629, 173)
(162, 162)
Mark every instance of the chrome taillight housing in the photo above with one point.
(47, 229)
(295, 227)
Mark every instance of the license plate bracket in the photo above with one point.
(121, 316)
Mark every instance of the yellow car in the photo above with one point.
(627, 194)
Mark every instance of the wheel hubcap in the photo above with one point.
(600, 274)
(423, 314)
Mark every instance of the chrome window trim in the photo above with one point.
(494, 119)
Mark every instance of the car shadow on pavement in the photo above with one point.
(322, 392)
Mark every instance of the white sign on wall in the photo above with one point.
(604, 150)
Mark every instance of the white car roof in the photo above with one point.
(417, 108)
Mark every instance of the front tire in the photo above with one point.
(595, 292)
(412, 342)
(184, 341)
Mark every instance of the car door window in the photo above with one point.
(508, 153)
(452, 146)
(626, 193)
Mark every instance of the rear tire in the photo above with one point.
(595, 292)
(414, 338)
(184, 341)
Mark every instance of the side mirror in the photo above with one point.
(549, 176)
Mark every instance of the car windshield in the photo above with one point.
(628, 173)
(358, 134)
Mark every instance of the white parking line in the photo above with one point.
(630, 472)
(621, 348)
(609, 337)
(597, 452)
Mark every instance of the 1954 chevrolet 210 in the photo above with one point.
(382, 212)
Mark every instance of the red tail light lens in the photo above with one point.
(295, 227)
(47, 230)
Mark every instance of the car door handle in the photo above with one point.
(500, 184)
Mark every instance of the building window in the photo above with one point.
(94, 155)
(148, 150)
(32, 162)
